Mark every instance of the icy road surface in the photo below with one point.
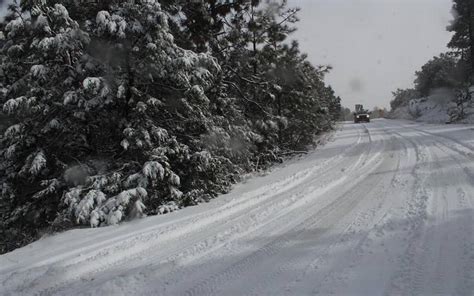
(385, 208)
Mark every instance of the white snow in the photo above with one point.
(434, 108)
(14, 26)
(113, 24)
(12, 105)
(93, 84)
(153, 170)
(39, 71)
(13, 130)
(385, 208)
(38, 163)
(61, 12)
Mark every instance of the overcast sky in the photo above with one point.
(375, 46)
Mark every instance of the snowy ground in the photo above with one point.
(433, 109)
(386, 208)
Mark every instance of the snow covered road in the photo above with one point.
(385, 208)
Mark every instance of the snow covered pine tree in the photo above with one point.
(94, 112)
(116, 109)
(40, 62)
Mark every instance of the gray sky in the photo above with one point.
(3, 8)
(375, 46)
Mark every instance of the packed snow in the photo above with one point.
(384, 208)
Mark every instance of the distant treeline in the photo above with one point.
(453, 70)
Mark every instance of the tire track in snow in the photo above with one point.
(457, 247)
(230, 272)
(309, 185)
(315, 218)
(406, 281)
(425, 264)
(363, 246)
(208, 287)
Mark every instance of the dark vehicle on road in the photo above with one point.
(360, 114)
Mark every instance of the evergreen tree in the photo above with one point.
(462, 26)
(42, 63)
(250, 44)
(438, 72)
(105, 118)
(401, 97)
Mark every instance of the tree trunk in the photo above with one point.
(130, 82)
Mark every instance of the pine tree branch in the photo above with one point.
(245, 97)
(245, 79)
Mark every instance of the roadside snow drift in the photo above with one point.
(435, 108)
(385, 208)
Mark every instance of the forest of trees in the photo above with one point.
(453, 70)
(113, 110)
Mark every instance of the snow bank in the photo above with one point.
(433, 109)
(401, 113)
